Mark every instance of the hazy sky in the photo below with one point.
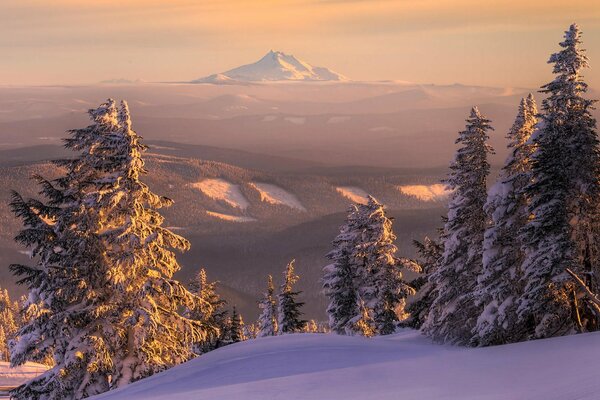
(485, 42)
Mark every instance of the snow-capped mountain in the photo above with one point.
(275, 66)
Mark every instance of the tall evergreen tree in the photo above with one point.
(340, 280)
(267, 321)
(381, 284)
(9, 323)
(237, 327)
(500, 283)
(209, 310)
(288, 310)
(429, 255)
(454, 313)
(102, 299)
(562, 230)
(69, 305)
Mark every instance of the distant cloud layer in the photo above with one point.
(485, 42)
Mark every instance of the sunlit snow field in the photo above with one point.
(403, 366)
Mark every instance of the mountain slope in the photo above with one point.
(274, 66)
(403, 366)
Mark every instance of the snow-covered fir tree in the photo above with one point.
(500, 282)
(288, 307)
(237, 327)
(209, 309)
(101, 298)
(380, 282)
(9, 323)
(562, 230)
(340, 279)
(429, 255)
(453, 313)
(267, 321)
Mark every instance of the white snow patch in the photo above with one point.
(354, 194)
(269, 118)
(12, 377)
(404, 366)
(433, 192)
(230, 218)
(296, 120)
(338, 119)
(382, 129)
(275, 195)
(220, 189)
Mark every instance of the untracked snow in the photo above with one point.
(220, 189)
(11, 377)
(230, 218)
(403, 366)
(354, 194)
(273, 194)
(433, 192)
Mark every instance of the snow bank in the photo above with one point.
(13, 377)
(354, 194)
(230, 218)
(275, 195)
(296, 120)
(404, 366)
(434, 192)
(220, 189)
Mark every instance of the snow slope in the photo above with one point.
(354, 194)
(404, 366)
(12, 377)
(230, 218)
(220, 189)
(275, 195)
(433, 192)
(274, 66)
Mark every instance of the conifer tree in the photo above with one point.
(102, 299)
(454, 313)
(9, 322)
(340, 280)
(562, 230)
(288, 308)
(430, 253)
(267, 321)
(500, 283)
(237, 327)
(209, 310)
(381, 284)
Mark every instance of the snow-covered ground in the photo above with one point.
(404, 366)
(220, 189)
(433, 192)
(354, 194)
(275, 195)
(230, 218)
(12, 377)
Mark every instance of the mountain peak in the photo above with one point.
(275, 66)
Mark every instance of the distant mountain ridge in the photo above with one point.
(274, 66)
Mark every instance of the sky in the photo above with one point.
(477, 42)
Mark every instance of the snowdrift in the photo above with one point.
(403, 366)
(12, 377)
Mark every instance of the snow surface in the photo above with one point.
(404, 366)
(275, 195)
(433, 192)
(296, 120)
(274, 66)
(354, 194)
(220, 189)
(230, 218)
(12, 377)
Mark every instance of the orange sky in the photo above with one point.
(486, 42)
